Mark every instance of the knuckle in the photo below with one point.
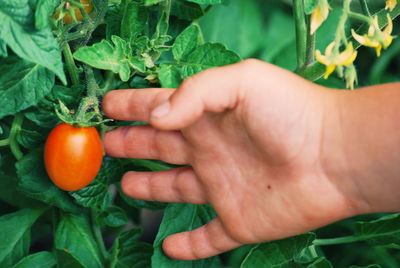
(241, 235)
(189, 82)
(182, 186)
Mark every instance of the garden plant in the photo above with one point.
(61, 203)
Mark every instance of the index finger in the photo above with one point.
(134, 104)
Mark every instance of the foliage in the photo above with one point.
(47, 66)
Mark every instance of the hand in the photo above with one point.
(253, 136)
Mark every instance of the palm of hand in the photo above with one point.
(255, 162)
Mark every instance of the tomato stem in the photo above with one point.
(339, 240)
(4, 142)
(97, 234)
(364, 7)
(92, 86)
(360, 17)
(70, 64)
(15, 129)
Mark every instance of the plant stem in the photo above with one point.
(108, 83)
(4, 142)
(92, 87)
(15, 129)
(93, 91)
(97, 234)
(301, 32)
(162, 26)
(310, 48)
(70, 64)
(364, 7)
(339, 240)
(358, 16)
(340, 30)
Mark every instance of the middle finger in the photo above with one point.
(147, 142)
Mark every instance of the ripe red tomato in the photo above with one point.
(73, 156)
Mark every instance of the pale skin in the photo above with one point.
(274, 154)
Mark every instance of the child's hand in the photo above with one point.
(259, 151)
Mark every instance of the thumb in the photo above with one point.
(214, 90)
(206, 241)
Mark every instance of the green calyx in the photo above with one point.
(87, 115)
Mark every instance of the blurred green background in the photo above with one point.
(264, 29)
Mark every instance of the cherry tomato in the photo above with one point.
(73, 156)
(67, 18)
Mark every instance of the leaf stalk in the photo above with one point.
(15, 129)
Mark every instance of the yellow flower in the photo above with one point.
(319, 15)
(391, 4)
(375, 37)
(332, 59)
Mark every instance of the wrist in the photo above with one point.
(339, 161)
(362, 140)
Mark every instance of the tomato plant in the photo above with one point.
(55, 70)
(73, 156)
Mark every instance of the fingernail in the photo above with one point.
(161, 110)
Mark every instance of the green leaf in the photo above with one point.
(20, 250)
(278, 253)
(152, 2)
(367, 266)
(278, 42)
(113, 216)
(169, 76)
(310, 5)
(22, 84)
(180, 218)
(3, 49)
(29, 138)
(138, 64)
(18, 32)
(238, 25)
(384, 231)
(127, 252)
(134, 20)
(113, 21)
(186, 10)
(74, 235)
(66, 260)
(145, 164)
(321, 262)
(68, 95)
(186, 42)
(208, 56)
(43, 259)
(14, 227)
(44, 10)
(97, 193)
(10, 194)
(42, 117)
(34, 182)
(141, 203)
(105, 56)
(206, 2)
